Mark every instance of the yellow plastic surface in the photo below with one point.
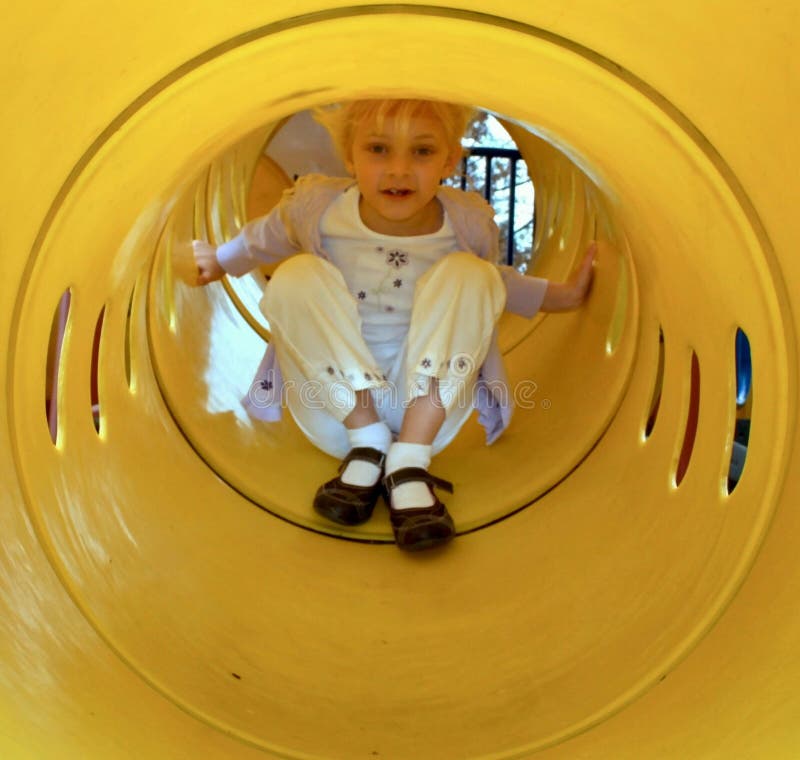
(165, 591)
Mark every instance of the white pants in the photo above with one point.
(324, 360)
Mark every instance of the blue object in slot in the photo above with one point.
(744, 368)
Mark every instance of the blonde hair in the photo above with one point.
(341, 119)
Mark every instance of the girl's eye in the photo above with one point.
(425, 151)
(377, 148)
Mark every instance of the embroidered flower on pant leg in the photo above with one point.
(426, 362)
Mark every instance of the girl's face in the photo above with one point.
(398, 173)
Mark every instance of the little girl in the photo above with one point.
(383, 325)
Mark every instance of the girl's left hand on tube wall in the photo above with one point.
(581, 279)
(569, 295)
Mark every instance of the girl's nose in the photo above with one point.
(399, 165)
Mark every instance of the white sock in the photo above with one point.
(414, 494)
(376, 436)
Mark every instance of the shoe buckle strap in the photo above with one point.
(407, 474)
(363, 454)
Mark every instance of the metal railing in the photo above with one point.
(489, 155)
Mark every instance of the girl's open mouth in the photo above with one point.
(397, 192)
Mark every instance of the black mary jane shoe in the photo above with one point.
(347, 504)
(418, 528)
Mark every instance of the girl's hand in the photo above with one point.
(572, 293)
(581, 279)
(205, 257)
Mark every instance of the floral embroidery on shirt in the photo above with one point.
(397, 258)
(426, 362)
(398, 283)
(362, 295)
(265, 385)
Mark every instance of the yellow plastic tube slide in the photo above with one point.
(165, 589)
